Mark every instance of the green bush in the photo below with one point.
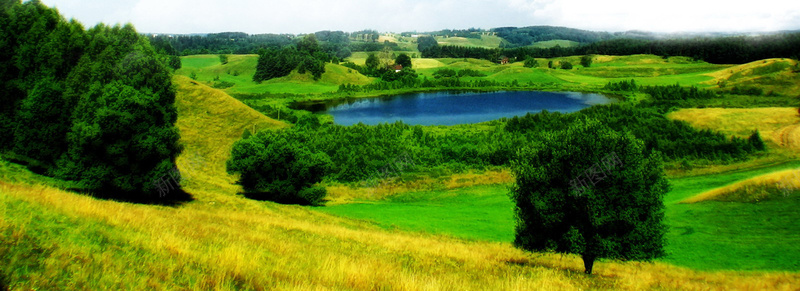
(279, 167)
(756, 141)
(531, 63)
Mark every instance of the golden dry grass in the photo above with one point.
(772, 75)
(420, 63)
(222, 241)
(753, 189)
(775, 124)
(340, 194)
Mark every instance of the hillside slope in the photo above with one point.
(778, 76)
(57, 239)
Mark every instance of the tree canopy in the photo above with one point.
(403, 60)
(95, 107)
(590, 191)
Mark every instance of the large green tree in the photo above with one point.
(92, 106)
(590, 191)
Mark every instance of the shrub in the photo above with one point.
(279, 167)
(531, 63)
(756, 141)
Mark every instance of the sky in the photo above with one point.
(306, 16)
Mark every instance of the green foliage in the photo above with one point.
(675, 139)
(280, 167)
(275, 64)
(403, 60)
(95, 106)
(428, 46)
(756, 141)
(617, 214)
(372, 62)
(531, 63)
(42, 125)
(308, 44)
(444, 73)
(175, 62)
(470, 73)
(586, 61)
(312, 65)
(566, 66)
(223, 59)
(747, 90)
(627, 86)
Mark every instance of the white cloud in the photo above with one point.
(303, 16)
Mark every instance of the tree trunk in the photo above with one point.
(588, 262)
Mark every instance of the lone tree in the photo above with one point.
(590, 191)
(531, 63)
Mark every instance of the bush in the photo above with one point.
(586, 61)
(756, 141)
(279, 167)
(531, 63)
(566, 66)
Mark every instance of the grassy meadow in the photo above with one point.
(57, 239)
(731, 226)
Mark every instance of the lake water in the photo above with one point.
(451, 108)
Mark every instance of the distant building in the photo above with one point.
(503, 60)
(398, 68)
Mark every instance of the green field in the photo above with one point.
(703, 236)
(416, 239)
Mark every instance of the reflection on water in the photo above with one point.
(450, 108)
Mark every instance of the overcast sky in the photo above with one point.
(305, 16)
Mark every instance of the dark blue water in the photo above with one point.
(450, 108)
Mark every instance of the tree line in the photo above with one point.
(91, 106)
(359, 151)
(718, 50)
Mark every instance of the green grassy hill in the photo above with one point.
(776, 76)
(57, 239)
(486, 41)
(240, 70)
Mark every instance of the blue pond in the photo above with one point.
(451, 108)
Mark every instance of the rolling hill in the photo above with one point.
(57, 239)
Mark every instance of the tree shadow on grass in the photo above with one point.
(173, 198)
(280, 199)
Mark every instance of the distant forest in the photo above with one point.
(516, 44)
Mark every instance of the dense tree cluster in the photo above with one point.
(357, 152)
(279, 166)
(223, 43)
(676, 139)
(307, 57)
(525, 36)
(718, 50)
(95, 106)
